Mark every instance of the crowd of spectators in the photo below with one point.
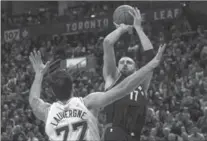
(77, 11)
(177, 95)
(50, 15)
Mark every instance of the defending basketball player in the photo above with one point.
(128, 114)
(74, 118)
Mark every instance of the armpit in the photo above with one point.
(40, 108)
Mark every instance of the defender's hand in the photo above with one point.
(36, 61)
(156, 60)
(137, 17)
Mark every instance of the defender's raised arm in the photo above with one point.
(101, 99)
(39, 107)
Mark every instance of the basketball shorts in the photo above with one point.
(117, 134)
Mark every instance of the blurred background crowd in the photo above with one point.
(178, 91)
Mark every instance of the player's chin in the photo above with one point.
(125, 72)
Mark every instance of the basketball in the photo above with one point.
(122, 15)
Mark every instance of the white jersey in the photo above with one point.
(71, 122)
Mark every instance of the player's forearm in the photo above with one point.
(35, 89)
(146, 44)
(113, 37)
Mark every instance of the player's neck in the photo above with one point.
(127, 74)
(64, 101)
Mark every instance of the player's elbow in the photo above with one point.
(107, 42)
(32, 102)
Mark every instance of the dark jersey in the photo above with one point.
(128, 112)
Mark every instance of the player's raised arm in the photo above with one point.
(100, 99)
(39, 107)
(146, 44)
(110, 71)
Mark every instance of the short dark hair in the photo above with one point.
(61, 83)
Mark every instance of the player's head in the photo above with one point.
(126, 65)
(62, 85)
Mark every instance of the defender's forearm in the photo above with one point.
(139, 76)
(35, 89)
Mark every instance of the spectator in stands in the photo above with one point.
(196, 136)
(202, 122)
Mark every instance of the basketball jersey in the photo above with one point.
(130, 111)
(71, 122)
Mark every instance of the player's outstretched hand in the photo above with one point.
(137, 17)
(156, 60)
(36, 61)
(124, 27)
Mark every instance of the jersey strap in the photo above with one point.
(117, 81)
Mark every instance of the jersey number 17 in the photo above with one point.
(83, 125)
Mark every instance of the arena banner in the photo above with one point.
(106, 22)
(12, 35)
(161, 14)
(79, 64)
(15, 34)
(93, 24)
(86, 25)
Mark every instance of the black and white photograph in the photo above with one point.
(103, 70)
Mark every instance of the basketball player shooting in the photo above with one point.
(128, 114)
(75, 118)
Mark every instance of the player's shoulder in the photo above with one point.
(80, 99)
(77, 100)
(73, 100)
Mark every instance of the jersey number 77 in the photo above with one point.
(82, 124)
